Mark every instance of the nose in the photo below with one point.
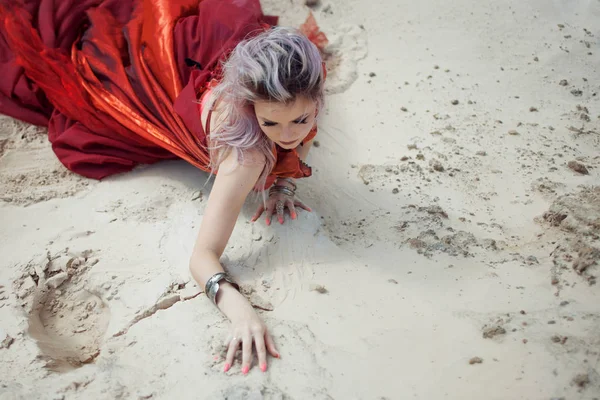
(287, 135)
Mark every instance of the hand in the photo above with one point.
(278, 202)
(247, 329)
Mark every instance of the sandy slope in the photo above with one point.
(448, 225)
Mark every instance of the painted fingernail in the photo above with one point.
(226, 368)
(280, 220)
(245, 370)
(268, 222)
(263, 367)
(277, 355)
(294, 216)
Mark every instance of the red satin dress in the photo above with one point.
(117, 82)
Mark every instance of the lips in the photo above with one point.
(288, 143)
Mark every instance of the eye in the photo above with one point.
(302, 121)
(269, 123)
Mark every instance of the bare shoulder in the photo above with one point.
(249, 160)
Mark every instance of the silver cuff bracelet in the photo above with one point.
(212, 285)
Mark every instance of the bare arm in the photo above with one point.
(232, 185)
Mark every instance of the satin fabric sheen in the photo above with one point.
(111, 79)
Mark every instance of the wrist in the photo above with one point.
(287, 182)
(231, 302)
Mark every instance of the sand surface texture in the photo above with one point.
(453, 251)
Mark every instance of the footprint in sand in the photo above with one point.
(347, 46)
(67, 320)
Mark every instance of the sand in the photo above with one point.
(453, 251)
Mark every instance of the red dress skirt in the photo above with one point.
(117, 82)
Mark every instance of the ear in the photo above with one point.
(324, 70)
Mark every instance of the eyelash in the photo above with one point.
(304, 121)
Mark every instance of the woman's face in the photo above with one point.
(286, 124)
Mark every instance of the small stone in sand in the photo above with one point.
(536, 59)
(412, 146)
(316, 143)
(436, 165)
(395, 190)
(7, 340)
(578, 167)
(395, 282)
(319, 288)
(57, 280)
(493, 331)
(197, 195)
(481, 153)
(475, 360)
(532, 109)
(563, 82)
(372, 74)
(454, 102)
(581, 380)
(513, 132)
(404, 109)
(559, 339)
(312, 3)
(576, 92)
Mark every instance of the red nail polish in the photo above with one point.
(277, 355)
(263, 367)
(245, 370)
(226, 368)
(268, 222)
(294, 216)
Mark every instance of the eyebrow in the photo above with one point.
(300, 118)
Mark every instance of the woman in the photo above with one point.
(271, 92)
(107, 77)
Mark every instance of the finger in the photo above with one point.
(233, 346)
(290, 206)
(300, 204)
(259, 212)
(271, 345)
(269, 212)
(261, 352)
(280, 207)
(246, 354)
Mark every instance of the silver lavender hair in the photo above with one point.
(277, 65)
